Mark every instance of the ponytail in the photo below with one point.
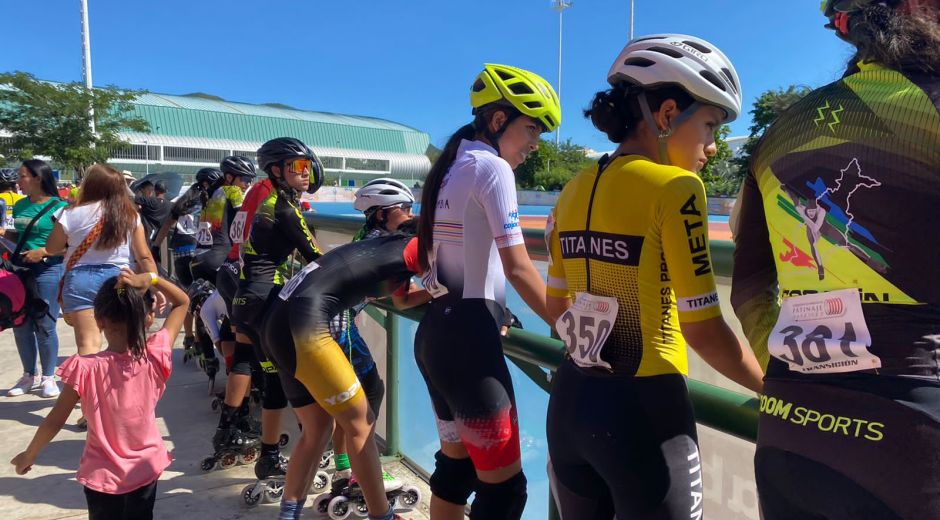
(432, 186)
(127, 306)
(898, 41)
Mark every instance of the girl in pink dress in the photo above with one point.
(119, 388)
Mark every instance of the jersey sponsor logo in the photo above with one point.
(605, 247)
(796, 256)
(513, 220)
(697, 303)
(342, 397)
(824, 422)
(829, 308)
(867, 296)
(695, 233)
(443, 203)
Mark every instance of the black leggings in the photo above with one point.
(133, 505)
(182, 271)
(460, 354)
(623, 445)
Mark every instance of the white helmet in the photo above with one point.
(380, 193)
(693, 64)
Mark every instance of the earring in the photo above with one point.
(665, 133)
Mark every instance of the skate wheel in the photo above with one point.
(321, 481)
(208, 463)
(360, 510)
(409, 499)
(250, 456)
(215, 405)
(228, 460)
(274, 491)
(339, 508)
(326, 459)
(283, 440)
(321, 504)
(250, 497)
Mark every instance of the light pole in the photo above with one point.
(631, 20)
(86, 58)
(560, 6)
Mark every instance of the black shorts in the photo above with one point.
(824, 451)
(226, 282)
(249, 305)
(623, 445)
(182, 271)
(460, 354)
(206, 264)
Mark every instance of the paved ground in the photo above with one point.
(50, 491)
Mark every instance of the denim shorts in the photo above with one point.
(82, 283)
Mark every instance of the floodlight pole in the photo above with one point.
(560, 6)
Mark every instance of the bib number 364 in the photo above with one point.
(823, 333)
(585, 327)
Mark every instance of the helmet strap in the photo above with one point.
(663, 135)
(493, 137)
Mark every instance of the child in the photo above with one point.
(119, 388)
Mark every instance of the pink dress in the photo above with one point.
(124, 449)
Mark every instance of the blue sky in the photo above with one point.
(410, 61)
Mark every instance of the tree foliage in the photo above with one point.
(52, 120)
(551, 166)
(766, 109)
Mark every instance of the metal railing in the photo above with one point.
(724, 410)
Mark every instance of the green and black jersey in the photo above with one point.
(842, 194)
(278, 228)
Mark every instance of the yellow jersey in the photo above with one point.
(637, 231)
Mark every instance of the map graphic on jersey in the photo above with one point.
(829, 215)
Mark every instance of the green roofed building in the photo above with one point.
(193, 131)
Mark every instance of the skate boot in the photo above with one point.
(232, 446)
(271, 469)
(348, 500)
(189, 348)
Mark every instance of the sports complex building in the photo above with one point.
(194, 131)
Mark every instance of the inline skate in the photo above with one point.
(271, 470)
(232, 446)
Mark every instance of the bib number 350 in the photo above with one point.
(585, 327)
(823, 333)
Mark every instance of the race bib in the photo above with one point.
(823, 333)
(585, 327)
(204, 236)
(429, 280)
(295, 280)
(236, 231)
(187, 225)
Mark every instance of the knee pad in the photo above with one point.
(453, 479)
(504, 500)
(242, 358)
(273, 395)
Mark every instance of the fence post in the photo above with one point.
(392, 442)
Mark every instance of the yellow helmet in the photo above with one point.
(526, 91)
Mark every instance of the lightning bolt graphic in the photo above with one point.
(835, 117)
(822, 116)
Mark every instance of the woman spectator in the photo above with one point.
(101, 231)
(33, 221)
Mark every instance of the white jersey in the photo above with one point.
(212, 312)
(476, 214)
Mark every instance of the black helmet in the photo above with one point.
(210, 175)
(199, 292)
(8, 175)
(281, 149)
(238, 166)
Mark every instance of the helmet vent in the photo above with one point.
(639, 62)
(667, 51)
(478, 85)
(713, 79)
(649, 38)
(520, 89)
(697, 46)
(533, 104)
(730, 78)
(503, 75)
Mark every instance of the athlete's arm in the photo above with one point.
(182, 206)
(292, 223)
(141, 250)
(557, 297)
(754, 280)
(684, 216)
(525, 279)
(412, 298)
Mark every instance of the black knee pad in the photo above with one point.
(242, 358)
(274, 398)
(453, 479)
(225, 330)
(504, 500)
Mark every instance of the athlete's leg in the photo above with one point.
(316, 427)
